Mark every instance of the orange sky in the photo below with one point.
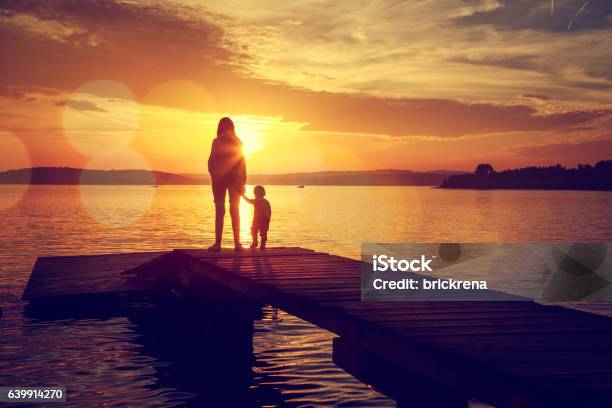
(359, 85)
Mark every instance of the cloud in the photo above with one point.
(601, 70)
(51, 29)
(134, 42)
(536, 15)
(373, 68)
(442, 118)
(520, 62)
(81, 105)
(536, 97)
(406, 50)
(26, 94)
(13, 93)
(588, 151)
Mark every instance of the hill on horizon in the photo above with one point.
(70, 175)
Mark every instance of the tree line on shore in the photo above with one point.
(582, 177)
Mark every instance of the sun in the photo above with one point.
(250, 134)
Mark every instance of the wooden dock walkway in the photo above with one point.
(509, 354)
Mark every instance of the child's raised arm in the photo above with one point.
(248, 200)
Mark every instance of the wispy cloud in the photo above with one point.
(587, 151)
(536, 15)
(86, 106)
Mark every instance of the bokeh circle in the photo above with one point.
(131, 195)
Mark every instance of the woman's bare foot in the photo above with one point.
(215, 247)
(238, 247)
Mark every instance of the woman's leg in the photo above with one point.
(219, 217)
(219, 196)
(234, 198)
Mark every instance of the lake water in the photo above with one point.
(135, 354)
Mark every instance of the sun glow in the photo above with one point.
(251, 137)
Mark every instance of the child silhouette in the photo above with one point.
(261, 216)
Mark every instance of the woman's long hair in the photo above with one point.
(226, 131)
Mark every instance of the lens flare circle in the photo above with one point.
(126, 202)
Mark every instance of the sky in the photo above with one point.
(312, 85)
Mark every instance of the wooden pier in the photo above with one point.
(509, 354)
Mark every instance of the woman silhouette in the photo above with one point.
(227, 170)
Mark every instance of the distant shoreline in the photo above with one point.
(582, 178)
(75, 176)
